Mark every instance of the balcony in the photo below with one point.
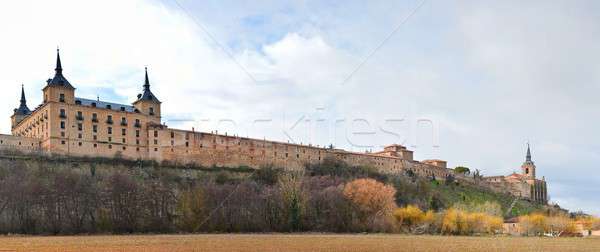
(137, 125)
(63, 116)
(123, 123)
(94, 119)
(79, 117)
(109, 121)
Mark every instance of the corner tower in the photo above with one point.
(528, 167)
(58, 89)
(146, 102)
(22, 111)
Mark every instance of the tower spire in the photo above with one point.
(146, 82)
(147, 95)
(22, 109)
(23, 100)
(528, 156)
(58, 68)
(59, 79)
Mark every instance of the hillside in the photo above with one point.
(41, 195)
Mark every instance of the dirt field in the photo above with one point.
(292, 243)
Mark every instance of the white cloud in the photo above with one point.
(490, 76)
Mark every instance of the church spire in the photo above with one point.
(528, 156)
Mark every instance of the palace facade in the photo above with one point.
(65, 124)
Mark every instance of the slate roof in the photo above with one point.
(59, 79)
(105, 105)
(147, 95)
(23, 109)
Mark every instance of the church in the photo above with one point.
(524, 184)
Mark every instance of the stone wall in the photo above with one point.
(20, 144)
(211, 149)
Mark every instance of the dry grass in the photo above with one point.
(292, 243)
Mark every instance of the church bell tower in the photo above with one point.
(528, 167)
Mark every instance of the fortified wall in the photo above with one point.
(211, 149)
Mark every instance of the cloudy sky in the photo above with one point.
(470, 82)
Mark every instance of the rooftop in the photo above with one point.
(105, 105)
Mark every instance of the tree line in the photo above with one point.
(50, 198)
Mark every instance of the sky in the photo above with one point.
(470, 82)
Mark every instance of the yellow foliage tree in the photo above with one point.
(371, 197)
(452, 221)
(533, 224)
(460, 222)
(409, 216)
(561, 224)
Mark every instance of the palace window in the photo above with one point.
(155, 133)
(155, 142)
(94, 117)
(109, 130)
(110, 146)
(95, 128)
(95, 137)
(62, 134)
(137, 123)
(137, 133)
(93, 104)
(151, 111)
(172, 134)
(110, 139)
(79, 136)
(109, 119)
(95, 145)
(62, 124)
(61, 97)
(63, 114)
(80, 126)
(123, 109)
(79, 116)
(123, 121)
(123, 140)
(123, 132)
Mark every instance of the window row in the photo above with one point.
(109, 118)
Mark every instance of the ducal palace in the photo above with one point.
(67, 125)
